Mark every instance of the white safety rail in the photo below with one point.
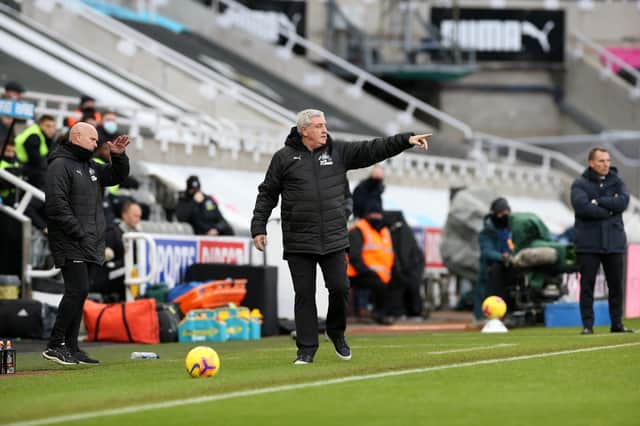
(488, 146)
(187, 129)
(493, 160)
(153, 258)
(134, 268)
(217, 82)
(17, 213)
(580, 46)
(412, 104)
(606, 139)
(425, 168)
(87, 72)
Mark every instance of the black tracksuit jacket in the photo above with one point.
(75, 217)
(311, 185)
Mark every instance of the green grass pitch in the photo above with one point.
(534, 376)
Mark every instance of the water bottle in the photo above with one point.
(9, 359)
(144, 355)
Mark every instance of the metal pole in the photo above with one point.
(25, 292)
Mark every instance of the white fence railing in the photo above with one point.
(18, 213)
(580, 45)
(493, 159)
(137, 41)
(606, 139)
(362, 77)
(546, 159)
(435, 169)
(187, 129)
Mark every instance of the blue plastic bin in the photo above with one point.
(180, 289)
(237, 329)
(255, 329)
(202, 326)
(568, 314)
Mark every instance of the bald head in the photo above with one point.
(84, 135)
(377, 172)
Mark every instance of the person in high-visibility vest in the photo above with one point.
(371, 258)
(9, 163)
(32, 147)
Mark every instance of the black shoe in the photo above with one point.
(587, 330)
(621, 329)
(84, 358)
(303, 359)
(60, 354)
(342, 348)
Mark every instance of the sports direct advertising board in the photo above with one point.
(174, 254)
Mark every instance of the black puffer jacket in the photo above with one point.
(599, 226)
(312, 188)
(75, 219)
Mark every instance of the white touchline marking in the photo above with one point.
(468, 349)
(415, 345)
(473, 348)
(285, 388)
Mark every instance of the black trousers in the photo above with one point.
(77, 276)
(501, 278)
(381, 292)
(613, 265)
(303, 274)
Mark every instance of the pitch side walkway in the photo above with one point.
(438, 321)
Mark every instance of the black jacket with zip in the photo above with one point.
(599, 203)
(311, 185)
(75, 217)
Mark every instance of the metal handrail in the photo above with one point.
(247, 130)
(610, 59)
(547, 156)
(413, 104)
(200, 127)
(188, 65)
(29, 190)
(18, 214)
(514, 148)
(47, 39)
(595, 138)
(607, 138)
(128, 239)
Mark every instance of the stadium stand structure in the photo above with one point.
(497, 162)
(205, 88)
(228, 138)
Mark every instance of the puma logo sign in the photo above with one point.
(485, 35)
(297, 157)
(542, 36)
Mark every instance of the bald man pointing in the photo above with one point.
(75, 220)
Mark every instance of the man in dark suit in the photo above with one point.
(599, 197)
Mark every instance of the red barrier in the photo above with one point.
(213, 294)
